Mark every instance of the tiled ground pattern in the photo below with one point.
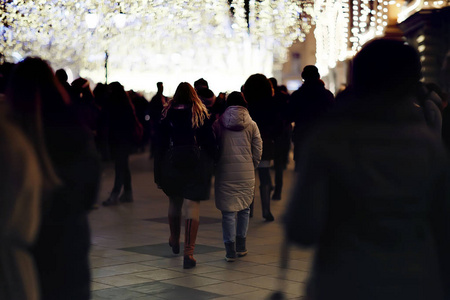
(131, 258)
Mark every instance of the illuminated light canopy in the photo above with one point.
(161, 40)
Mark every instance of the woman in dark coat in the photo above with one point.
(124, 133)
(72, 171)
(184, 124)
(258, 92)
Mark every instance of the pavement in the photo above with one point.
(131, 258)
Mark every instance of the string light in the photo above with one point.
(414, 6)
(354, 21)
(158, 40)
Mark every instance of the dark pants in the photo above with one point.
(62, 259)
(265, 188)
(282, 148)
(122, 169)
(264, 177)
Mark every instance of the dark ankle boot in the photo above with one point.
(277, 193)
(126, 197)
(189, 262)
(231, 252)
(241, 249)
(174, 240)
(190, 235)
(264, 191)
(112, 200)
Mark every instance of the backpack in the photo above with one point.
(183, 156)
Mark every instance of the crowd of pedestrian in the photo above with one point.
(371, 169)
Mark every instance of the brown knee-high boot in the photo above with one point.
(191, 228)
(175, 226)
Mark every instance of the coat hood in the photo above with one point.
(235, 118)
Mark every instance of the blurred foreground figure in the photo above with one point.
(71, 170)
(372, 189)
(20, 196)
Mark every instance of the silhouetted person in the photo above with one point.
(141, 108)
(122, 129)
(220, 104)
(155, 108)
(258, 92)
(84, 104)
(201, 84)
(307, 105)
(372, 193)
(283, 138)
(101, 96)
(71, 179)
(21, 186)
(62, 77)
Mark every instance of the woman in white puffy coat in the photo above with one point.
(241, 149)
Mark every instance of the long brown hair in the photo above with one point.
(186, 95)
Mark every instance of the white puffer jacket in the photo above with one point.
(241, 149)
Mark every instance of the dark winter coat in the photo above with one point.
(372, 197)
(306, 106)
(264, 113)
(191, 183)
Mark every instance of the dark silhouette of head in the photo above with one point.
(61, 75)
(34, 87)
(274, 82)
(36, 97)
(310, 72)
(386, 67)
(119, 98)
(236, 99)
(160, 87)
(201, 84)
(207, 96)
(257, 87)
(100, 93)
(80, 83)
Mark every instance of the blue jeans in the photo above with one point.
(235, 224)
